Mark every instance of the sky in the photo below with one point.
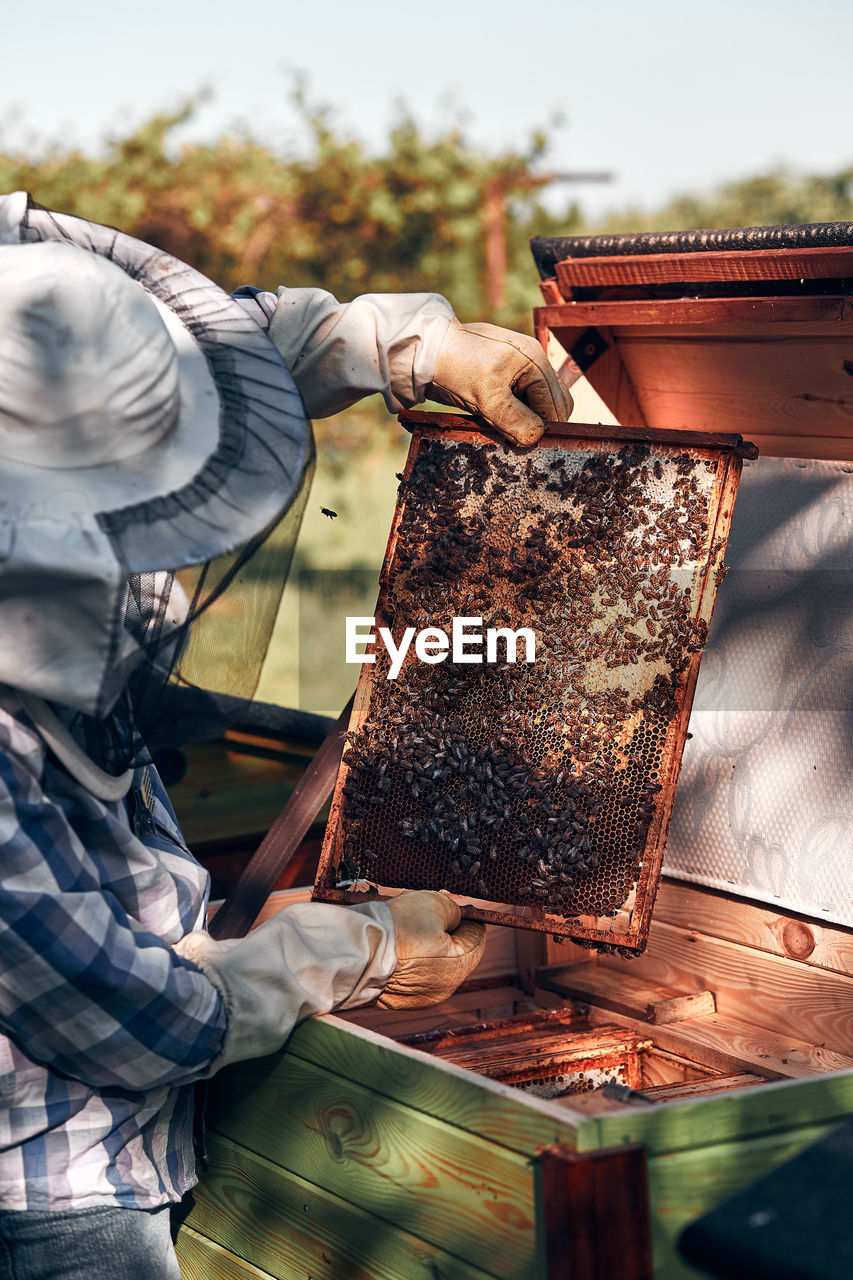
(668, 97)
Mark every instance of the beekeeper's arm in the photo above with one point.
(409, 347)
(88, 991)
(414, 951)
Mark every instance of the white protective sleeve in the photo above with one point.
(339, 352)
(309, 958)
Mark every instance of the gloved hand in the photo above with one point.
(436, 949)
(502, 377)
(309, 958)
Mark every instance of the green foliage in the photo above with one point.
(410, 218)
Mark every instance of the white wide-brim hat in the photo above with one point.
(222, 447)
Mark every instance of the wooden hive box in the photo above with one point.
(390, 1145)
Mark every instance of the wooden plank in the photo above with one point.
(722, 266)
(661, 1068)
(532, 1024)
(701, 1088)
(404, 1166)
(288, 1226)
(457, 427)
(709, 911)
(721, 1043)
(798, 388)
(677, 1008)
(623, 992)
(822, 447)
(203, 1259)
(778, 1107)
(479, 1106)
(725, 1045)
(595, 1211)
(826, 309)
(566, 1049)
(767, 991)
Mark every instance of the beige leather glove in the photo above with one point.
(502, 377)
(436, 949)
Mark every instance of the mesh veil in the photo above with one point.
(201, 631)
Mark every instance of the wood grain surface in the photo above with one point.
(709, 911)
(721, 266)
(772, 992)
(776, 1107)
(402, 1165)
(203, 1259)
(824, 309)
(287, 1226)
(792, 387)
(473, 1104)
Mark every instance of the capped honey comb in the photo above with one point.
(537, 792)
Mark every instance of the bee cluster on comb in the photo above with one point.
(534, 785)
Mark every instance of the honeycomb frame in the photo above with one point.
(538, 794)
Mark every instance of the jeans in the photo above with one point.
(105, 1243)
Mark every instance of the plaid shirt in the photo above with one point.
(105, 1025)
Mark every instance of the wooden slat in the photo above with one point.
(724, 1045)
(288, 1226)
(570, 1051)
(456, 427)
(723, 266)
(709, 911)
(479, 1106)
(767, 991)
(406, 1167)
(203, 1259)
(678, 1008)
(750, 387)
(778, 1107)
(622, 991)
(701, 1088)
(822, 447)
(827, 309)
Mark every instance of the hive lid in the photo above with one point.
(539, 792)
(748, 329)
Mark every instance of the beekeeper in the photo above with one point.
(151, 423)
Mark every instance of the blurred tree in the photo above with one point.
(413, 217)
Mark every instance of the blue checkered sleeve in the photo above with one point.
(84, 986)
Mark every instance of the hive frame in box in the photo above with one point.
(627, 927)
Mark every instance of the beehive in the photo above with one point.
(538, 790)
